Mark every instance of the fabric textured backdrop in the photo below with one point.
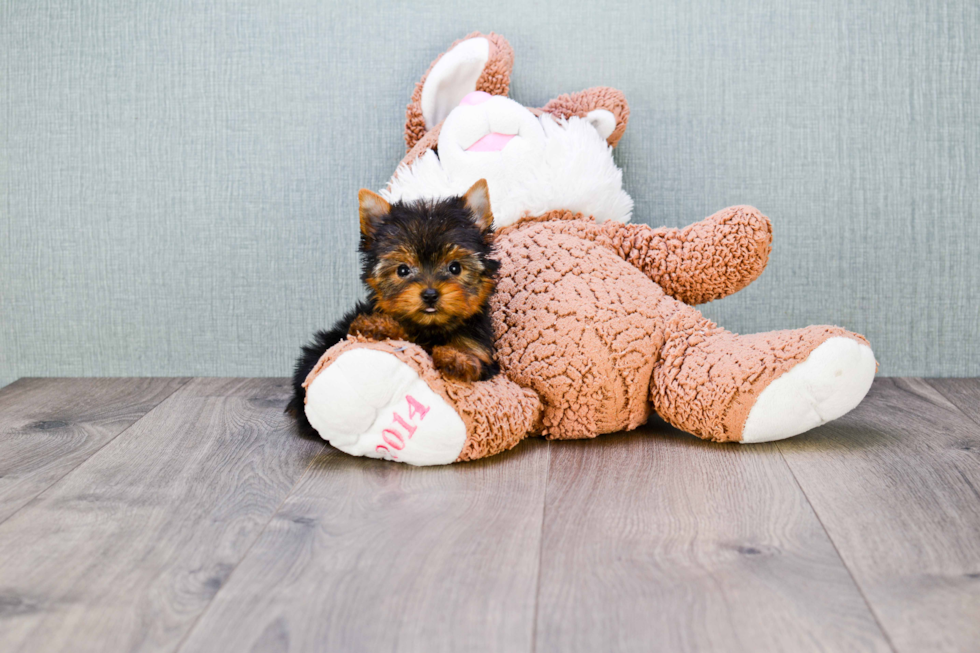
(179, 179)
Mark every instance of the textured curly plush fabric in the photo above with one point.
(577, 325)
(599, 97)
(705, 261)
(429, 141)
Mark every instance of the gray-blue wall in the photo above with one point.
(178, 179)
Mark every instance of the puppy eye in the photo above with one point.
(403, 270)
(455, 267)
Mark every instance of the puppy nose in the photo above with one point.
(476, 97)
(430, 295)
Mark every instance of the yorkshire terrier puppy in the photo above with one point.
(429, 272)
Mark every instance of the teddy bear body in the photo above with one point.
(577, 324)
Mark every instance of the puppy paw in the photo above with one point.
(377, 326)
(457, 364)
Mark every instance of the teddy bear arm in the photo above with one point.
(705, 261)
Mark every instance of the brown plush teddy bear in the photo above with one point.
(593, 317)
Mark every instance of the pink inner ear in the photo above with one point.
(474, 98)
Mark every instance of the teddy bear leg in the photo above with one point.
(761, 387)
(386, 400)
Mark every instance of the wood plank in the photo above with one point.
(367, 555)
(50, 426)
(125, 552)
(895, 483)
(963, 393)
(657, 541)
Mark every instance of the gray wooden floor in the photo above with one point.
(186, 515)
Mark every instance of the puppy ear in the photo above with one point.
(477, 200)
(373, 209)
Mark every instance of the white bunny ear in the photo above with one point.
(452, 78)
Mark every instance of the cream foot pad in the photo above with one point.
(831, 381)
(369, 403)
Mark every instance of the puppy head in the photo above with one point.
(428, 262)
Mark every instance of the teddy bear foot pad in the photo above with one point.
(370, 403)
(832, 380)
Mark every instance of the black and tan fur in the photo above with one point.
(429, 272)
